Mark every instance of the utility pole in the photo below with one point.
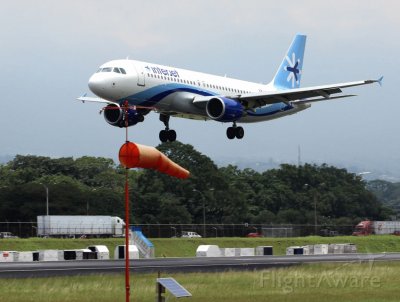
(204, 210)
(47, 198)
(315, 213)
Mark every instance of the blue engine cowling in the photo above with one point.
(224, 110)
(113, 114)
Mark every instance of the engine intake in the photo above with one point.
(113, 114)
(224, 109)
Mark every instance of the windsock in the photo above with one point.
(139, 156)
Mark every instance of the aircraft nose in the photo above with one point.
(96, 84)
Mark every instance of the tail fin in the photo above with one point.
(289, 73)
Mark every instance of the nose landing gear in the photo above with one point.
(167, 134)
(235, 131)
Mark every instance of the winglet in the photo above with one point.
(82, 98)
(380, 81)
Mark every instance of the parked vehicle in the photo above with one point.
(254, 235)
(369, 227)
(190, 235)
(7, 235)
(80, 226)
(328, 233)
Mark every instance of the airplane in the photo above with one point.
(130, 89)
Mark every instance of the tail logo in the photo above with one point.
(293, 69)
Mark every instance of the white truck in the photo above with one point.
(79, 226)
(368, 227)
(190, 235)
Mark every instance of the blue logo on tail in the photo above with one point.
(293, 68)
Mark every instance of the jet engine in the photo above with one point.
(114, 115)
(224, 110)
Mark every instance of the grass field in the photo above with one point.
(352, 282)
(186, 247)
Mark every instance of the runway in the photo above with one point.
(169, 265)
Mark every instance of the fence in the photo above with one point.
(29, 229)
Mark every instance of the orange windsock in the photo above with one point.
(139, 156)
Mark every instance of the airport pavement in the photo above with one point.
(169, 265)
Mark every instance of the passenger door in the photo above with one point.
(141, 76)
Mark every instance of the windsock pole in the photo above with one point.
(127, 282)
(133, 155)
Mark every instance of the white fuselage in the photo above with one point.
(178, 91)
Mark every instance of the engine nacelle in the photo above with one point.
(113, 114)
(224, 109)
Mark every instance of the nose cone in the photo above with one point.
(97, 84)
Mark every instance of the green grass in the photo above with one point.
(186, 247)
(353, 282)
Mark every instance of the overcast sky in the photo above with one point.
(49, 49)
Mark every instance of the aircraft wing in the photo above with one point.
(84, 99)
(298, 95)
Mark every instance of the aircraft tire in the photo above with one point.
(239, 132)
(230, 132)
(163, 136)
(171, 135)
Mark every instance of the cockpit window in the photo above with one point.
(107, 69)
(112, 69)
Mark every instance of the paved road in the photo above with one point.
(167, 265)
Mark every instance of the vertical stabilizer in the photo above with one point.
(288, 75)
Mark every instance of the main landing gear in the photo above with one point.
(167, 134)
(235, 131)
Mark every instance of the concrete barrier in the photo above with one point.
(308, 250)
(81, 254)
(8, 256)
(102, 251)
(119, 252)
(246, 251)
(24, 257)
(208, 251)
(338, 248)
(228, 252)
(321, 249)
(294, 250)
(266, 250)
(50, 255)
(350, 248)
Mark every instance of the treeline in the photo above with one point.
(94, 186)
(387, 192)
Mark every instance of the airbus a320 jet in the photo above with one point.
(176, 92)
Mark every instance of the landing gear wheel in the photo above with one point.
(140, 118)
(230, 132)
(171, 135)
(239, 132)
(163, 136)
(167, 135)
